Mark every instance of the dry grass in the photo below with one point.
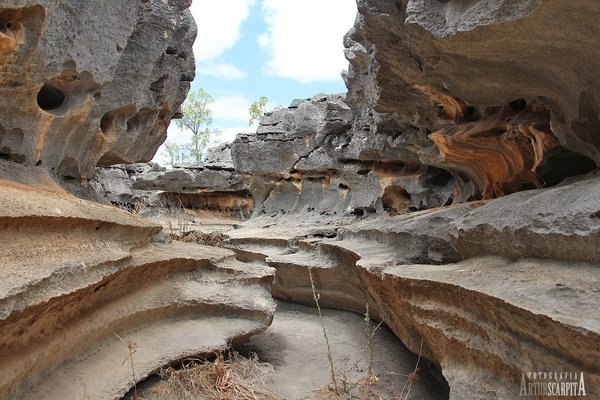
(177, 223)
(214, 238)
(367, 385)
(132, 347)
(230, 377)
(316, 297)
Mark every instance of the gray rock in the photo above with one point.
(560, 223)
(219, 157)
(91, 83)
(450, 67)
(308, 157)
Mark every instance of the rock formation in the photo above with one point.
(311, 159)
(79, 276)
(469, 76)
(84, 285)
(452, 190)
(457, 284)
(71, 112)
(449, 103)
(213, 186)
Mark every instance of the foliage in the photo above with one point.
(257, 109)
(197, 119)
(176, 154)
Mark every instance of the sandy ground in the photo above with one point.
(295, 347)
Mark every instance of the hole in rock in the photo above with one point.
(518, 105)
(471, 113)
(343, 186)
(561, 164)
(50, 97)
(395, 199)
(69, 169)
(362, 211)
(527, 186)
(441, 177)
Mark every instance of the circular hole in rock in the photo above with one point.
(50, 97)
(8, 25)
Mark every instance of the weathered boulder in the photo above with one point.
(561, 223)
(114, 183)
(219, 157)
(88, 83)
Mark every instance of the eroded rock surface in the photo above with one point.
(77, 276)
(488, 305)
(308, 157)
(434, 192)
(212, 186)
(66, 110)
(501, 100)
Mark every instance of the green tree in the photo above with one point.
(257, 109)
(197, 119)
(176, 154)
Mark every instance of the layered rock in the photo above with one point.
(211, 186)
(68, 111)
(84, 284)
(448, 102)
(452, 287)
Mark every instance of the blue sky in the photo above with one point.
(282, 49)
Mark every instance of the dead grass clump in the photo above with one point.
(231, 377)
(215, 239)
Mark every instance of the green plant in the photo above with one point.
(257, 109)
(197, 119)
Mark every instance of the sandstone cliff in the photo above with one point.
(449, 103)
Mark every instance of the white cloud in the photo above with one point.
(222, 70)
(228, 134)
(304, 38)
(219, 25)
(231, 108)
